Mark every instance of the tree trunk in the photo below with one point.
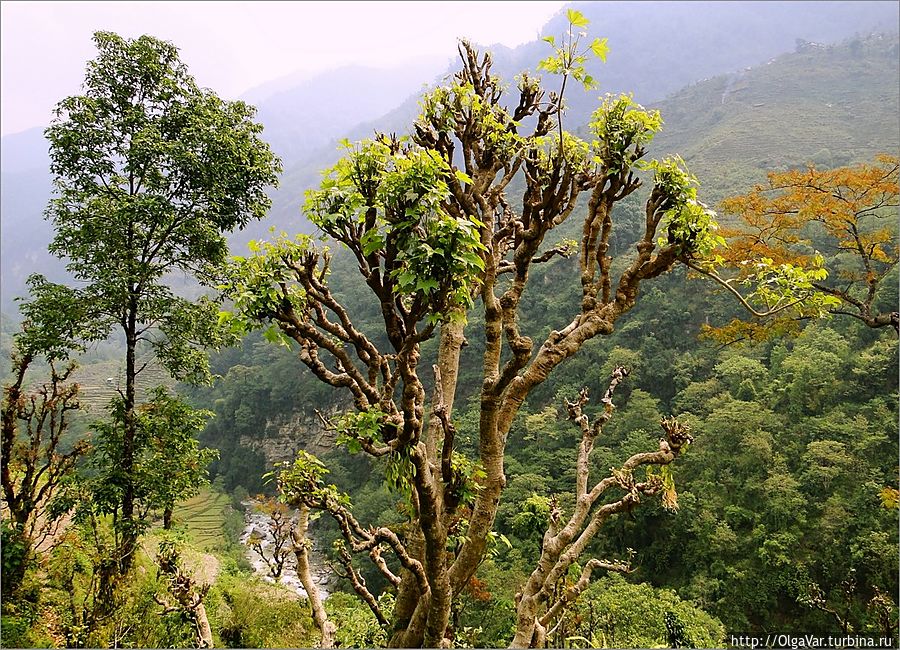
(301, 551)
(204, 631)
(408, 598)
(167, 518)
(129, 534)
(419, 621)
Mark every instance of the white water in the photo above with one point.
(254, 520)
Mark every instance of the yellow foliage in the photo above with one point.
(850, 211)
(855, 205)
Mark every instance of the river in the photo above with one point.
(321, 574)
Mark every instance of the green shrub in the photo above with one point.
(13, 556)
(248, 613)
(617, 614)
(356, 625)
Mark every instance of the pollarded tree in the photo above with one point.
(848, 212)
(151, 172)
(435, 232)
(35, 461)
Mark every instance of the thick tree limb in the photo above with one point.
(561, 547)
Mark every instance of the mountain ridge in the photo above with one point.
(26, 234)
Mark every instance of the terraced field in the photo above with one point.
(204, 516)
(99, 380)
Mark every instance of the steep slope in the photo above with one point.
(829, 105)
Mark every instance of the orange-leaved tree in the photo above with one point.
(848, 213)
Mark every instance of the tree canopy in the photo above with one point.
(847, 212)
(150, 173)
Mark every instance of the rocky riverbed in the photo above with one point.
(321, 574)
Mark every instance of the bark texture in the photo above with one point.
(417, 433)
(187, 593)
(301, 546)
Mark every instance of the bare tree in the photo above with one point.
(541, 603)
(279, 523)
(33, 461)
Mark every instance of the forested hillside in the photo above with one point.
(552, 371)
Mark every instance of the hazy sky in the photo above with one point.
(234, 46)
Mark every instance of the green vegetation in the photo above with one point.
(207, 519)
(150, 172)
(746, 478)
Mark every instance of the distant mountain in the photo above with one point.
(297, 121)
(657, 48)
(303, 117)
(25, 187)
(24, 152)
(830, 105)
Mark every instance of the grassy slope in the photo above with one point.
(831, 106)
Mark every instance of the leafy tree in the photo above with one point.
(150, 172)
(431, 224)
(617, 614)
(849, 212)
(174, 467)
(168, 465)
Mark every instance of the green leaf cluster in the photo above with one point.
(262, 283)
(456, 109)
(689, 224)
(775, 285)
(303, 481)
(622, 128)
(390, 199)
(354, 426)
(567, 59)
(546, 154)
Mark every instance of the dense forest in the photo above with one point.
(534, 362)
